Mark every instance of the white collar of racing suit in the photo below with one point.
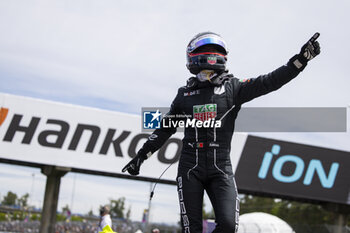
(205, 75)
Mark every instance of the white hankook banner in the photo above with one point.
(93, 140)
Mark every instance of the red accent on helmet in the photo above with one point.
(210, 53)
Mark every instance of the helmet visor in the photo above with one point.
(205, 40)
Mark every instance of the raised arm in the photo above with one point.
(249, 89)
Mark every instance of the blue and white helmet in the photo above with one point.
(197, 61)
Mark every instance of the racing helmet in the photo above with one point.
(198, 60)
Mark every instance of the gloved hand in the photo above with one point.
(312, 48)
(309, 50)
(133, 167)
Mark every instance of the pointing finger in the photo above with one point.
(125, 168)
(314, 37)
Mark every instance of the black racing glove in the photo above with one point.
(309, 50)
(133, 167)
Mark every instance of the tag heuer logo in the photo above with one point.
(211, 60)
(204, 112)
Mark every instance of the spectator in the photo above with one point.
(105, 218)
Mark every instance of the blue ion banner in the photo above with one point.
(286, 169)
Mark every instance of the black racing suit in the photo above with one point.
(205, 158)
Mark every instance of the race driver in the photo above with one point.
(213, 94)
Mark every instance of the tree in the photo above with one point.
(117, 207)
(207, 215)
(9, 199)
(128, 213)
(66, 211)
(249, 203)
(293, 212)
(90, 213)
(23, 201)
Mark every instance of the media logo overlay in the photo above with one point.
(151, 119)
(159, 117)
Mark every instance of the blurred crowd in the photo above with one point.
(70, 227)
